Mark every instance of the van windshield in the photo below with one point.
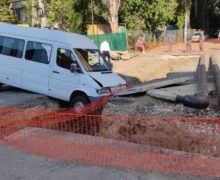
(92, 60)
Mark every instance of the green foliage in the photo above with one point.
(215, 7)
(29, 4)
(183, 6)
(180, 20)
(28, 10)
(69, 14)
(149, 14)
(100, 11)
(6, 13)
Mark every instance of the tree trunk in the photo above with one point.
(114, 24)
(187, 20)
(113, 8)
(42, 16)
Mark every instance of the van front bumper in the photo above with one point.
(94, 99)
(99, 99)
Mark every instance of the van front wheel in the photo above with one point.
(78, 103)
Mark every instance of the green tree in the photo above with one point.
(149, 14)
(69, 15)
(6, 13)
(183, 13)
(100, 11)
(31, 8)
(205, 14)
(112, 13)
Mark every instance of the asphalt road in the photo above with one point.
(10, 96)
(16, 165)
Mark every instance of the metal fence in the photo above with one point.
(126, 40)
(117, 41)
(154, 38)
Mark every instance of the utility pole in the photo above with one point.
(41, 13)
(187, 14)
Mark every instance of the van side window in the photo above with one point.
(38, 52)
(65, 58)
(11, 46)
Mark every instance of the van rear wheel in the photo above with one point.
(78, 103)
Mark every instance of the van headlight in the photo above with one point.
(124, 86)
(103, 90)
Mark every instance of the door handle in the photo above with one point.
(56, 72)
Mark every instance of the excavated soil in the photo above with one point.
(190, 136)
(144, 68)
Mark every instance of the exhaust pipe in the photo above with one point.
(201, 99)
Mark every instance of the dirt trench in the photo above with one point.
(186, 135)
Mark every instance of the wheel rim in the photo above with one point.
(78, 106)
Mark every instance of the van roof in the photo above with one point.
(72, 39)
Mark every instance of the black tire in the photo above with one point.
(97, 111)
(78, 102)
(84, 124)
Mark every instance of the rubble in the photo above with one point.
(121, 55)
(149, 106)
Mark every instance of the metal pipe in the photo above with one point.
(216, 71)
(200, 100)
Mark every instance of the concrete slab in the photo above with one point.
(154, 85)
(181, 74)
(171, 92)
(132, 92)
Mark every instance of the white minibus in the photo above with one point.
(63, 65)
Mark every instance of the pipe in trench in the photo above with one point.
(201, 99)
(216, 71)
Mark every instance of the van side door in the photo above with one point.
(62, 81)
(36, 66)
(11, 53)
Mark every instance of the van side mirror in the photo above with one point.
(74, 68)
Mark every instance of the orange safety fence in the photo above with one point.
(168, 145)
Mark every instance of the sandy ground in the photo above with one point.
(147, 67)
(157, 62)
(211, 46)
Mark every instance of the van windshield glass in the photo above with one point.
(92, 60)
